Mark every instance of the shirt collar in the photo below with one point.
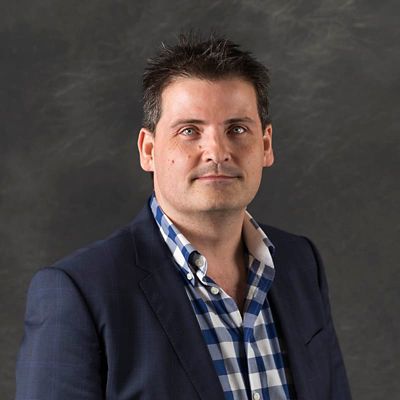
(257, 242)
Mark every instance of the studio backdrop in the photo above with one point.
(70, 109)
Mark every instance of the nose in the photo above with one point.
(216, 148)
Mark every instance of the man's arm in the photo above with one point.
(60, 355)
(340, 387)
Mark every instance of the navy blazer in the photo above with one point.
(113, 321)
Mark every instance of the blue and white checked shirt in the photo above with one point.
(245, 350)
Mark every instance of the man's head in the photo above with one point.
(204, 139)
(211, 59)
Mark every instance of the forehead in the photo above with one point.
(200, 98)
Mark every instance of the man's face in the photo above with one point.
(208, 149)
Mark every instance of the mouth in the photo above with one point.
(216, 174)
(216, 178)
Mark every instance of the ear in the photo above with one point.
(146, 149)
(268, 152)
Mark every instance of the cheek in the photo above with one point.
(250, 152)
(178, 156)
(253, 159)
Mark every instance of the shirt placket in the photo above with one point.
(258, 288)
(231, 315)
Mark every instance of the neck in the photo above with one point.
(215, 231)
(215, 234)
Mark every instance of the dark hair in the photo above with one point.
(211, 59)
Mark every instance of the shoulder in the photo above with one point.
(280, 237)
(101, 263)
(100, 254)
(279, 234)
(294, 251)
(96, 279)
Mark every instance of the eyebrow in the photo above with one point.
(187, 121)
(237, 120)
(202, 122)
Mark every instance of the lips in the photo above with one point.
(216, 177)
(225, 174)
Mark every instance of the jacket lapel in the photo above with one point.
(165, 292)
(296, 349)
(294, 314)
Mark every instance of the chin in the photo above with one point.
(222, 205)
(231, 199)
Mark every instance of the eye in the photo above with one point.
(188, 132)
(238, 130)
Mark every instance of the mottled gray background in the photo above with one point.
(70, 111)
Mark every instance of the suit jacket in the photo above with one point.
(113, 321)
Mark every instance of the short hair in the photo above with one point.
(211, 59)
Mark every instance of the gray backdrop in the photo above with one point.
(70, 112)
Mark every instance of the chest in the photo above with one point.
(243, 343)
(234, 283)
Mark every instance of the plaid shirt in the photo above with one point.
(245, 350)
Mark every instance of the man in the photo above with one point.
(193, 299)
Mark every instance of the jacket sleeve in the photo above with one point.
(339, 389)
(60, 354)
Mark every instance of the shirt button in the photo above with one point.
(214, 290)
(189, 276)
(199, 261)
(256, 396)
